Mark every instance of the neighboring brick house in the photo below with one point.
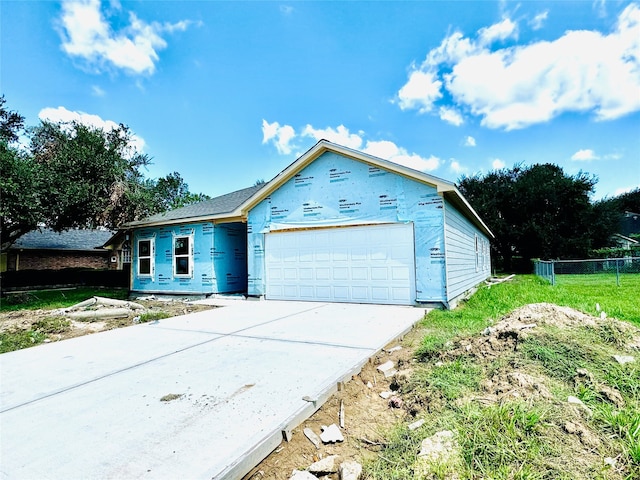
(44, 249)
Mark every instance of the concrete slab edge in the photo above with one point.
(259, 452)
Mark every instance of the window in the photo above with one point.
(126, 254)
(182, 261)
(145, 257)
(477, 254)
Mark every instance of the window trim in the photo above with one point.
(477, 252)
(188, 256)
(151, 257)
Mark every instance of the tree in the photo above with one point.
(77, 176)
(90, 173)
(20, 180)
(172, 192)
(535, 212)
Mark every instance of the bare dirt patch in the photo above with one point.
(26, 320)
(367, 416)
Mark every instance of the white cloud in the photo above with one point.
(280, 136)
(499, 31)
(537, 22)
(388, 150)
(97, 91)
(421, 91)
(584, 155)
(87, 35)
(497, 164)
(518, 86)
(284, 137)
(62, 115)
(457, 168)
(340, 135)
(469, 142)
(451, 115)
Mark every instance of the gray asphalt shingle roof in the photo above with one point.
(215, 206)
(47, 239)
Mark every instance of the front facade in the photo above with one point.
(337, 225)
(195, 258)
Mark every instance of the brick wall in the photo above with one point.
(39, 260)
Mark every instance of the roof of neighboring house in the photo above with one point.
(222, 205)
(625, 238)
(77, 240)
(235, 206)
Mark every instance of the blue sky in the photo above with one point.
(230, 92)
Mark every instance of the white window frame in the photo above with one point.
(126, 254)
(188, 255)
(151, 257)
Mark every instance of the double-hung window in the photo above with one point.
(182, 256)
(146, 249)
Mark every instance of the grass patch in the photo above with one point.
(153, 316)
(451, 380)
(19, 339)
(52, 325)
(508, 440)
(52, 299)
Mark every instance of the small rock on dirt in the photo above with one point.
(325, 466)
(395, 402)
(313, 438)
(350, 470)
(387, 368)
(302, 475)
(331, 434)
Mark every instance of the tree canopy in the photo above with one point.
(76, 176)
(539, 212)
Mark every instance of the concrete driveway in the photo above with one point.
(90, 407)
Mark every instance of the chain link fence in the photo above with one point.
(599, 270)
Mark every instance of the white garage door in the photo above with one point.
(373, 264)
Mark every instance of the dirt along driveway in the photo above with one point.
(52, 325)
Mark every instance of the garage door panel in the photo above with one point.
(359, 273)
(307, 292)
(379, 273)
(323, 273)
(341, 293)
(380, 294)
(372, 264)
(400, 273)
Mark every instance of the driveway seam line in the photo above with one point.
(146, 362)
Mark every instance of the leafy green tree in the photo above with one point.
(76, 176)
(172, 192)
(534, 212)
(20, 180)
(89, 172)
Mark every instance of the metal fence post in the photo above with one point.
(617, 273)
(553, 273)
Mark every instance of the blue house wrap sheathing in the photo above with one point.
(336, 225)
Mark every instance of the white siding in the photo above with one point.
(467, 253)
